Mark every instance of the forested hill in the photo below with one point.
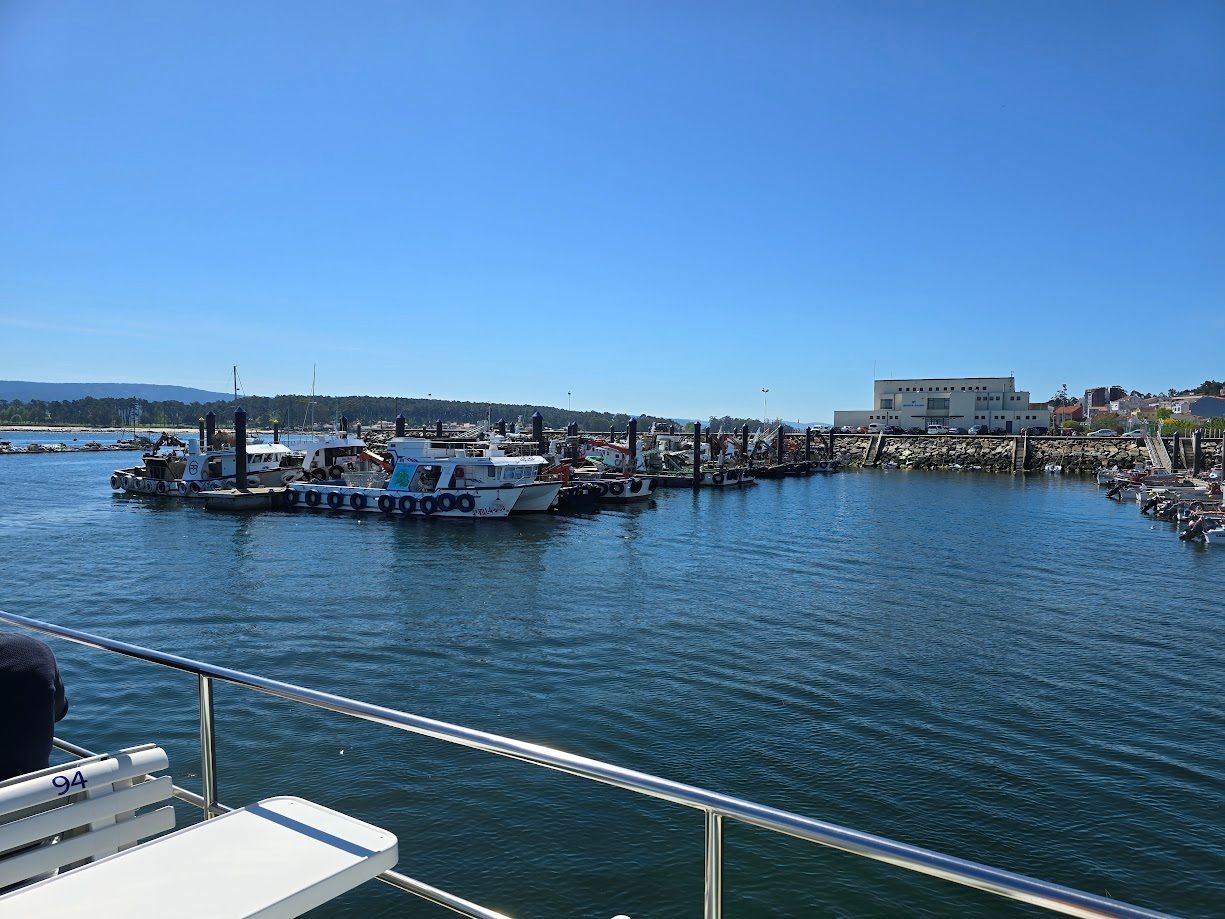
(26, 390)
(292, 411)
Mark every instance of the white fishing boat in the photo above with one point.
(337, 457)
(190, 472)
(421, 477)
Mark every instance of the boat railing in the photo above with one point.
(717, 808)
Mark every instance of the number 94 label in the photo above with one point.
(64, 784)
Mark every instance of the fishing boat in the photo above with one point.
(338, 457)
(421, 477)
(191, 472)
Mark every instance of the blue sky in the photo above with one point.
(658, 207)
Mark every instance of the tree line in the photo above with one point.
(294, 412)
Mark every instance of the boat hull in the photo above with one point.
(470, 503)
(536, 497)
(130, 481)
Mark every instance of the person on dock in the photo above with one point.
(32, 700)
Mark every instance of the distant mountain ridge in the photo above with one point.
(25, 390)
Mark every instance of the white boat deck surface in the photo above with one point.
(278, 858)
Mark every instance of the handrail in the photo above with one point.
(1008, 884)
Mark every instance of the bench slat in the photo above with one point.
(40, 787)
(47, 858)
(49, 823)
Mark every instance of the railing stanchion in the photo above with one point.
(208, 748)
(713, 903)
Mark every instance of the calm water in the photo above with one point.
(1014, 671)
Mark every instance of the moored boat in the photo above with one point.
(191, 472)
(424, 478)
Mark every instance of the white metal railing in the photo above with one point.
(717, 807)
(1157, 453)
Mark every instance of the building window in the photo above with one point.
(886, 403)
(934, 404)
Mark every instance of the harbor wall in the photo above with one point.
(1006, 453)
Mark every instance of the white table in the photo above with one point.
(275, 859)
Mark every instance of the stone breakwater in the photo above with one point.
(1008, 453)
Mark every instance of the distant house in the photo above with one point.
(1194, 406)
(1067, 413)
(1098, 399)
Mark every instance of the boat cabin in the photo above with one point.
(423, 465)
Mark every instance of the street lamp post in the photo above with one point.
(765, 411)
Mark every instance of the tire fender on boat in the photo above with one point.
(466, 503)
(291, 497)
(446, 503)
(386, 503)
(312, 498)
(336, 472)
(357, 502)
(193, 487)
(180, 487)
(408, 504)
(116, 482)
(616, 488)
(335, 500)
(428, 505)
(636, 486)
(717, 478)
(161, 488)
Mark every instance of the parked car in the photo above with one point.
(1103, 432)
(846, 429)
(1034, 429)
(1135, 433)
(914, 430)
(937, 429)
(894, 429)
(978, 429)
(952, 430)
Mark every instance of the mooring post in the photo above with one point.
(210, 430)
(400, 425)
(808, 445)
(612, 434)
(438, 428)
(697, 455)
(631, 435)
(1176, 454)
(203, 442)
(744, 447)
(276, 432)
(502, 426)
(240, 449)
(538, 430)
(572, 440)
(1197, 451)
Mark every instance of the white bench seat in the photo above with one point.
(277, 858)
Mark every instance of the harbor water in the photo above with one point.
(1012, 670)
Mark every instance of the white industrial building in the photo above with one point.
(957, 402)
